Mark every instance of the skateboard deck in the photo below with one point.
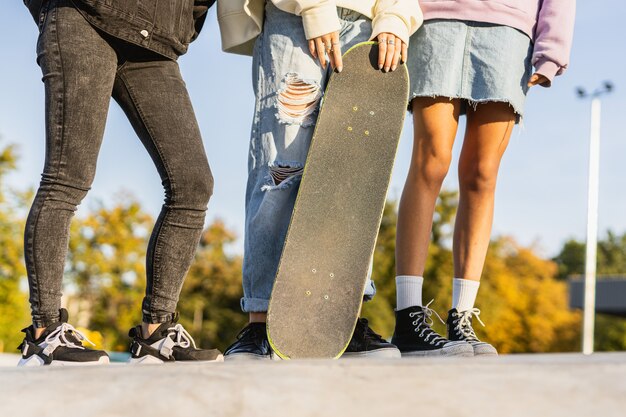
(321, 278)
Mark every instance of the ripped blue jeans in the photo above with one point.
(288, 85)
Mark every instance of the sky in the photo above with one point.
(542, 189)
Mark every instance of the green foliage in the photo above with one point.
(106, 270)
(612, 254)
(106, 267)
(571, 259)
(610, 331)
(13, 305)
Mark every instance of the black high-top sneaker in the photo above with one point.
(460, 328)
(414, 336)
(251, 344)
(59, 345)
(366, 343)
(170, 342)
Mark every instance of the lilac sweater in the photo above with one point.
(549, 23)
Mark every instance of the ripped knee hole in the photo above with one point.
(281, 173)
(297, 99)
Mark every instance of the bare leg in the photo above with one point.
(258, 317)
(435, 125)
(489, 129)
(148, 328)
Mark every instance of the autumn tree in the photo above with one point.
(106, 269)
(14, 313)
(525, 306)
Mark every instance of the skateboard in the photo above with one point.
(323, 270)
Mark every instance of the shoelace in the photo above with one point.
(58, 337)
(425, 318)
(464, 323)
(183, 338)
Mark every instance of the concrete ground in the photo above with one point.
(568, 385)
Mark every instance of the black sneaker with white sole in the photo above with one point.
(414, 336)
(59, 345)
(170, 342)
(460, 328)
(366, 343)
(251, 344)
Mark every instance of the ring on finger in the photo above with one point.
(391, 42)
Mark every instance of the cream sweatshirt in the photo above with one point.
(241, 21)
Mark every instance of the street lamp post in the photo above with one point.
(589, 308)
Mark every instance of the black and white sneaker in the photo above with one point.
(460, 328)
(366, 343)
(414, 336)
(59, 345)
(251, 344)
(170, 342)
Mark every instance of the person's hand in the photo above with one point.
(537, 79)
(327, 45)
(390, 49)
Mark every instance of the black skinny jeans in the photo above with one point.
(82, 69)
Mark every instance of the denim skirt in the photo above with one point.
(473, 61)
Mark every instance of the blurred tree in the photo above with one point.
(610, 331)
(612, 254)
(106, 270)
(525, 307)
(14, 313)
(571, 259)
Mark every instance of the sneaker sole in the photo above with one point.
(485, 350)
(250, 357)
(388, 353)
(458, 350)
(151, 360)
(37, 361)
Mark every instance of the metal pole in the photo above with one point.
(592, 229)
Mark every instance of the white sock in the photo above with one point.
(464, 293)
(408, 291)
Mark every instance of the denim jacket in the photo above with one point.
(165, 27)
